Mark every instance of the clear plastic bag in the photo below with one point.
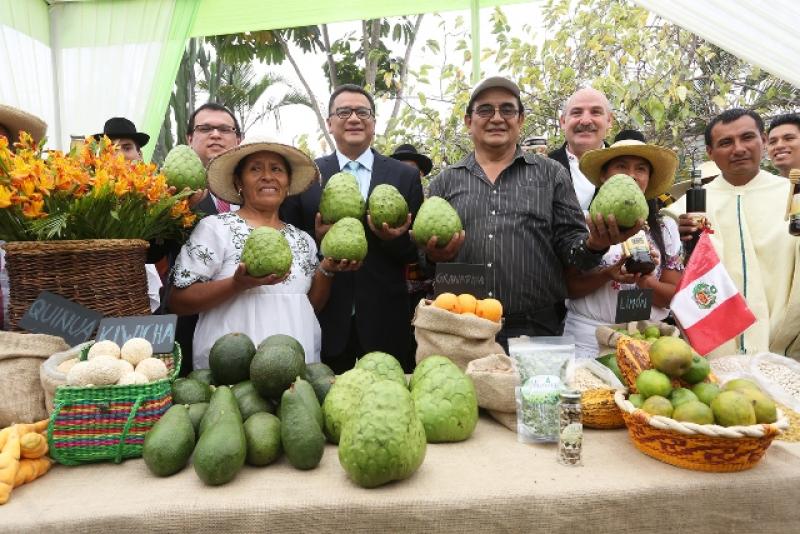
(543, 365)
(779, 377)
(597, 369)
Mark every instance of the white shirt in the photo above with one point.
(364, 173)
(584, 189)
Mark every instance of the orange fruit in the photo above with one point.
(489, 309)
(467, 303)
(447, 301)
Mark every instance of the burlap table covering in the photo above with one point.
(490, 483)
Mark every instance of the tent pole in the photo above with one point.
(475, 14)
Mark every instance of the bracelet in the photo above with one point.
(326, 274)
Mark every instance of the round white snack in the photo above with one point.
(153, 368)
(79, 375)
(136, 349)
(66, 365)
(132, 378)
(103, 348)
(104, 371)
(125, 366)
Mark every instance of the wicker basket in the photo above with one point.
(105, 275)
(599, 410)
(95, 424)
(710, 448)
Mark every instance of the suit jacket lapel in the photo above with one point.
(328, 166)
(378, 171)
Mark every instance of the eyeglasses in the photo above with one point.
(208, 128)
(486, 111)
(345, 113)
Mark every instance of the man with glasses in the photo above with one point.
(585, 119)
(212, 130)
(521, 218)
(368, 309)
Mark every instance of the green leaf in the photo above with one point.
(682, 92)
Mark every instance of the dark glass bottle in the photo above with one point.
(695, 208)
(794, 203)
(637, 248)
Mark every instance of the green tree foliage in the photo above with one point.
(659, 78)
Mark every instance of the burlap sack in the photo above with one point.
(51, 377)
(21, 393)
(495, 379)
(607, 335)
(462, 338)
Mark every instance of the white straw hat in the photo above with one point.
(16, 120)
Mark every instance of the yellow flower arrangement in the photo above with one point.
(92, 192)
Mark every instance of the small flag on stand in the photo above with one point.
(707, 304)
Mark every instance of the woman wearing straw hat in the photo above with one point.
(593, 295)
(209, 277)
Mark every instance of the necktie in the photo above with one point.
(222, 206)
(354, 167)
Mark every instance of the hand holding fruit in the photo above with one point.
(320, 228)
(448, 252)
(604, 232)
(243, 281)
(333, 266)
(617, 273)
(386, 232)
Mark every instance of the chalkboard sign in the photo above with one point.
(460, 278)
(159, 330)
(57, 316)
(634, 305)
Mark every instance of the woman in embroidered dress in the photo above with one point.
(209, 277)
(593, 295)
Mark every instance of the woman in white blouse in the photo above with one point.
(209, 277)
(593, 295)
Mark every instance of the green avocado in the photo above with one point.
(169, 444)
(301, 436)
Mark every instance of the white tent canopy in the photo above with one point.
(76, 63)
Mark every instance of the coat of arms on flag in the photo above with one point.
(707, 304)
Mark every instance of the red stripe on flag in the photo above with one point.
(728, 320)
(703, 259)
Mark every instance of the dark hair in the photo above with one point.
(350, 88)
(654, 222)
(634, 135)
(213, 106)
(730, 115)
(788, 118)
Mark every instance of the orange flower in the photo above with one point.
(5, 197)
(33, 209)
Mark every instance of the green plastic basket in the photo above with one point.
(108, 423)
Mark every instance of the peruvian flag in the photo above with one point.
(707, 304)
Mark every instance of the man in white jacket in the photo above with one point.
(745, 210)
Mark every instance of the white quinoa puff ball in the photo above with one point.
(103, 348)
(78, 375)
(153, 368)
(125, 366)
(136, 349)
(132, 378)
(104, 371)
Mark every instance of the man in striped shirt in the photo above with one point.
(521, 217)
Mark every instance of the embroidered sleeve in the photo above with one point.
(672, 244)
(202, 255)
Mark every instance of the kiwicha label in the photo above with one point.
(159, 330)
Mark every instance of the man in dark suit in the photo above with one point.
(368, 309)
(585, 119)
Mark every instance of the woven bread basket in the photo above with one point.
(711, 448)
(105, 275)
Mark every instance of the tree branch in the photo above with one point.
(313, 100)
(403, 77)
(332, 71)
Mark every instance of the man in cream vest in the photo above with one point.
(745, 209)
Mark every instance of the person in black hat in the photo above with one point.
(408, 154)
(129, 142)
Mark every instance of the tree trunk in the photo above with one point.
(314, 106)
(370, 40)
(403, 77)
(329, 58)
